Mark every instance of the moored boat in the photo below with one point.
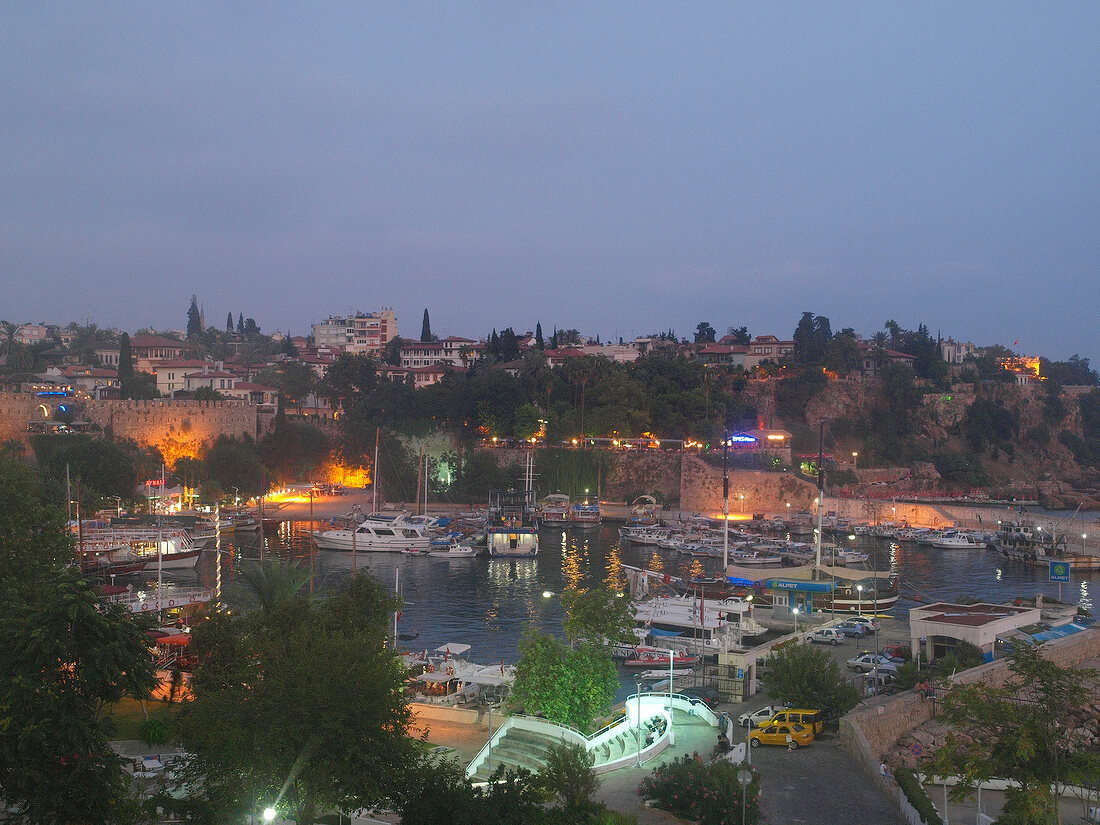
(511, 529)
(555, 511)
(391, 536)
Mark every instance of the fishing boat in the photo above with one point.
(393, 536)
(653, 657)
(643, 512)
(449, 678)
(586, 515)
(168, 549)
(555, 511)
(956, 540)
(697, 625)
(453, 548)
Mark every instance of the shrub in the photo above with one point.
(913, 791)
(153, 732)
(707, 793)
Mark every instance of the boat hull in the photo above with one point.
(515, 543)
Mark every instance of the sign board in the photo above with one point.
(1059, 571)
(155, 482)
(805, 587)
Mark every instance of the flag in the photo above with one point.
(1014, 343)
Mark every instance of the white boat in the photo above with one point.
(650, 675)
(454, 549)
(697, 625)
(450, 678)
(952, 540)
(555, 511)
(166, 549)
(643, 534)
(391, 536)
(586, 515)
(511, 529)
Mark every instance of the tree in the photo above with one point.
(597, 614)
(229, 323)
(67, 655)
(125, 366)
(296, 381)
(33, 535)
(538, 335)
(319, 719)
(740, 335)
(569, 778)
(526, 422)
(205, 393)
(104, 467)
(804, 338)
(1032, 729)
(571, 686)
(426, 329)
(194, 324)
(240, 323)
(807, 677)
(704, 333)
(391, 353)
(235, 463)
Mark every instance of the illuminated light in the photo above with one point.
(574, 442)
(744, 439)
(547, 594)
(775, 437)
(269, 814)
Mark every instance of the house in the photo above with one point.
(762, 441)
(215, 379)
(461, 351)
(28, 334)
(954, 352)
(257, 394)
(362, 332)
(171, 374)
(93, 380)
(107, 355)
(766, 348)
(622, 353)
(150, 350)
(875, 359)
(721, 355)
(423, 376)
(557, 357)
(936, 629)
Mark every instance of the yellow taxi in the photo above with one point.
(791, 734)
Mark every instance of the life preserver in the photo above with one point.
(144, 605)
(192, 600)
(171, 603)
(430, 668)
(450, 671)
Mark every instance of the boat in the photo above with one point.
(698, 625)
(657, 673)
(643, 512)
(175, 603)
(586, 515)
(653, 657)
(836, 588)
(643, 534)
(452, 549)
(555, 511)
(449, 678)
(168, 549)
(392, 536)
(511, 529)
(107, 560)
(954, 540)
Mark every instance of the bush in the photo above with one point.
(913, 791)
(154, 732)
(703, 792)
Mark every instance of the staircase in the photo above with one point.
(517, 748)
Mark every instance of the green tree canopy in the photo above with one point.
(806, 677)
(572, 686)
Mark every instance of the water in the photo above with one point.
(488, 603)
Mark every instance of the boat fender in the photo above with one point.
(450, 670)
(171, 603)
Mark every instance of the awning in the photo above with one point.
(176, 639)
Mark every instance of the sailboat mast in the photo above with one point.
(419, 478)
(375, 474)
(820, 490)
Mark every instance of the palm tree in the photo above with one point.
(879, 339)
(9, 333)
(274, 582)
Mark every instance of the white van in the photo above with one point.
(826, 636)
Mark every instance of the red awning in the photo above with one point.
(179, 639)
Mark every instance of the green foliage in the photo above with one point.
(571, 686)
(34, 539)
(66, 657)
(913, 791)
(1026, 729)
(794, 393)
(707, 793)
(207, 394)
(963, 657)
(1089, 405)
(437, 792)
(294, 450)
(104, 468)
(704, 333)
(232, 462)
(525, 423)
(573, 471)
(806, 677)
(598, 614)
(318, 713)
(1074, 372)
(154, 732)
(988, 423)
(477, 475)
(962, 468)
(568, 778)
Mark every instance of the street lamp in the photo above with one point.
(237, 496)
(855, 462)
(725, 503)
(118, 506)
(743, 779)
(794, 611)
(269, 814)
(638, 722)
(859, 598)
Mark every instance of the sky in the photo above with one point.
(618, 168)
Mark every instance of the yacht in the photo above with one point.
(390, 536)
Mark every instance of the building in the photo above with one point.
(366, 333)
(28, 334)
(423, 376)
(107, 356)
(954, 352)
(766, 348)
(150, 350)
(941, 626)
(721, 355)
(622, 353)
(215, 379)
(256, 394)
(171, 375)
(762, 441)
(875, 359)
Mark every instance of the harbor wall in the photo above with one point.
(176, 428)
(874, 730)
(750, 490)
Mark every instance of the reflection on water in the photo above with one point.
(488, 603)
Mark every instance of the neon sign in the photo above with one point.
(742, 439)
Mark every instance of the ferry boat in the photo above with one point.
(586, 515)
(392, 536)
(511, 529)
(698, 625)
(449, 678)
(555, 511)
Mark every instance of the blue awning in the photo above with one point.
(1059, 632)
(658, 632)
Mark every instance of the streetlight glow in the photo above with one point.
(269, 814)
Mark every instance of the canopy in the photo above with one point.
(803, 572)
(453, 649)
(178, 639)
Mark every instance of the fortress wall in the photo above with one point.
(701, 490)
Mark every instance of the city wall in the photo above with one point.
(176, 428)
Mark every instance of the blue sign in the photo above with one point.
(743, 439)
(806, 587)
(1059, 571)
(740, 673)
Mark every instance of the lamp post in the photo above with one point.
(118, 506)
(312, 544)
(794, 611)
(638, 721)
(237, 497)
(743, 779)
(859, 599)
(725, 503)
(855, 460)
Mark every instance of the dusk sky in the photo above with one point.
(618, 168)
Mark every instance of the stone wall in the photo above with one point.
(874, 729)
(701, 490)
(176, 428)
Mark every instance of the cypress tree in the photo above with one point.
(240, 323)
(229, 322)
(426, 328)
(125, 366)
(194, 324)
(538, 334)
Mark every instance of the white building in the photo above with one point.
(361, 332)
(955, 353)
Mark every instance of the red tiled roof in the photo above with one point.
(145, 341)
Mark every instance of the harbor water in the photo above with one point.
(488, 603)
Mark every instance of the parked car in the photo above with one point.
(868, 662)
(870, 622)
(792, 735)
(826, 636)
(812, 719)
(758, 717)
(853, 629)
(707, 695)
(895, 649)
(897, 660)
